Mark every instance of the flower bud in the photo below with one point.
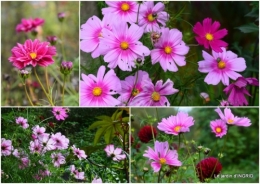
(145, 169)
(200, 148)
(61, 16)
(66, 67)
(24, 74)
(220, 155)
(52, 39)
(206, 151)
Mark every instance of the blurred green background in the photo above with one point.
(241, 152)
(11, 15)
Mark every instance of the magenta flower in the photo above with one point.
(59, 113)
(32, 53)
(152, 15)
(35, 146)
(6, 147)
(24, 163)
(28, 25)
(78, 175)
(238, 90)
(230, 119)
(176, 124)
(219, 127)
(57, 159)
(162, 155)
(60, 141)
(221, 66)
(114, 153)
(121, 47)
(132, 86)
(22, 121)
(170, 50)
(209, 35)
(38, 131)
(79, 153)
(224, 103)
(98, 91)
(123, 11)
(154, 95)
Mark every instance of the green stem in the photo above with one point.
(63, 89)
(138, 13)
(133, 87)
(179, 135)
(62, 44)
(28, 95)
(158, 181)
(46, 79)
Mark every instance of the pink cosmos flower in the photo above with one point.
(6, 147)
(219, 127)
(162, 155)
(230, 119)
(60, 141)
(47, 142)
(124, 11)
(78, 175)
(152, 15)
(59, 113)
(238, 90)
(98, 91)
(57, 159)
(176, 124)
(38, 131)
(32, 53)
(35, 146)
(97, 180)
(28, 25)
(79, 153)
(22, 121)
(170, 50)
(114, 153)
(209, 35)
(221, 66)
(154, 95)
(132, 86)
(121, 47)
(24, 163)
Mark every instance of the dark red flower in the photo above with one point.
(145, 134)
(208, 168)
(51, 124)
(132, 139)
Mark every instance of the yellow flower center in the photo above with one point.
(209, 36)
(221, 64)
(218, 130)
(124, 45)
(230, 121)
(33, 55)
(135, 92)
(156, 96)
(125, 7)
(177, 128)
(167, 50)
(100, 35)
(97, 91)
(150, 17)
(162, 161)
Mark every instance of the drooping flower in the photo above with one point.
(97, 180)
(6, 147)
(162, 155)
(22, 121)
(32, 53)
(124, 11)
(237, 90)
(147, 133)
(230, 119)
(219, 127)
(221, 66)
(98, 91)
(132, 86)
(209, 35)
(60, 141)
(114, 153)
(170, 50)
(28, 25)
(78, 175)
(59, 113)
(79, 153)
(154, 95)
(152, 15)
(176, 124)
(57, 159)
(121, 47)
(208, 168)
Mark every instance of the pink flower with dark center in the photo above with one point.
(124, 11)
(237, 90)
(219, 127)
(22, 121)
(6, 147)
(221, 66)
(35, 146)
(57, 159)
(162, 155)
(32, 53)
(78, 175)
(114, 153)
(154, 95)
(48, 144)
(59, 113)
(152, 15)
(98, 91)
(24, 163)
(209, 35)
(60, 141)
(176, 124)
(28, 25)
(170, 50)
(230, 119)
(38, 131)
(121, 47)
(79, 153)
